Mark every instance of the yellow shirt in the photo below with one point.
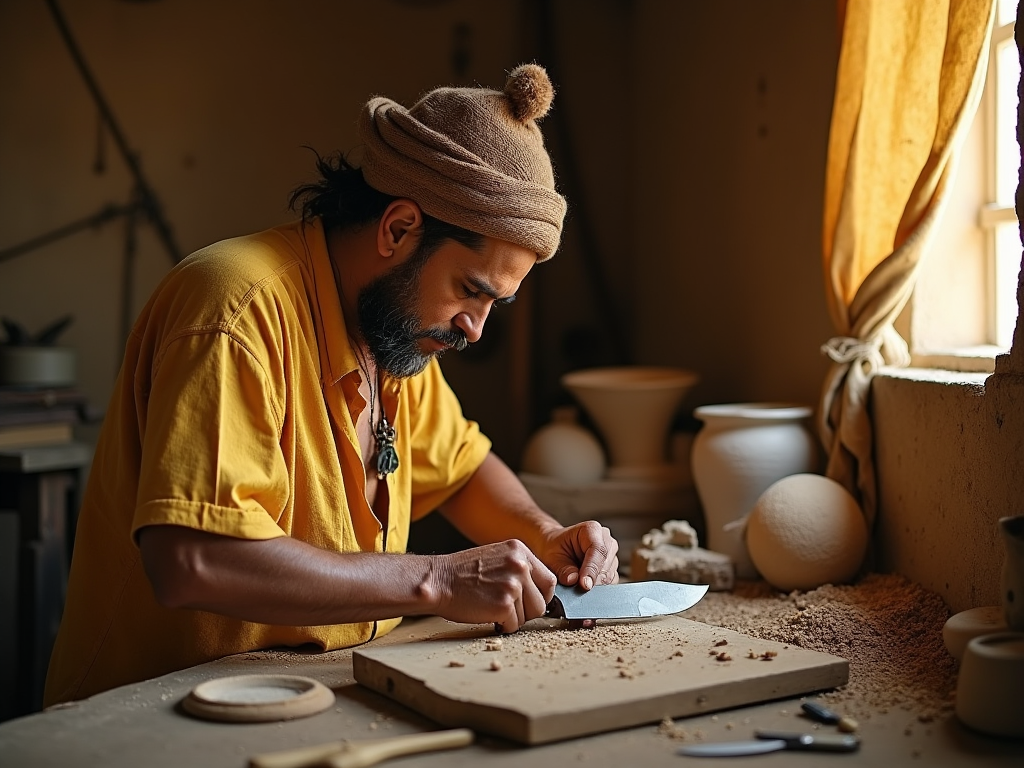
(232, 414)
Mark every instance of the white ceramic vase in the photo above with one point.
(633, 408)
(739, 452)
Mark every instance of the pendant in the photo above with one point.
(387, 456)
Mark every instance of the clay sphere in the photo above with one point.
(565, 450)
(806, 530)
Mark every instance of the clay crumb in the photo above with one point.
(847, 725)
(667, 727)
(495, 665)
(723, 656)
(862, 623)
(677, 653)
(626, 674)
(493, 644)
(721, 642)
(769, 655)
(456, 663)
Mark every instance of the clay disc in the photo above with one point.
(258, 698)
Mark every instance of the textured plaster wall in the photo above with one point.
(733, 103)
(950, 455)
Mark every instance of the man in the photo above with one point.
(280, 415)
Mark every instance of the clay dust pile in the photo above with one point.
(889, 629)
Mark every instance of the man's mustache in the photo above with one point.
(453, 338)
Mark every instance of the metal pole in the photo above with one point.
(146, 196)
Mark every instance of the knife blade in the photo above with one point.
(732, 748)
(624, 601)
(769, 741)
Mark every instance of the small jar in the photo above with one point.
(565, 450)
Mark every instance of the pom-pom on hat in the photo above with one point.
(472, 157)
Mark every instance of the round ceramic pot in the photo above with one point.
(565, 450)
(739, 452)
(990, 688)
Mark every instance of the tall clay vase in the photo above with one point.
(739, 452)
(633, 408)
(1013, 571)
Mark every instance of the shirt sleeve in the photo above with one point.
(446, 447)
(211, 455)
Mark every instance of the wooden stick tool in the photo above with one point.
(362, 753)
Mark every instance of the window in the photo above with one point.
(964, 307)
(998, 216)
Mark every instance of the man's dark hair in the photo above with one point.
(342, 199)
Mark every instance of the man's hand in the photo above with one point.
(502, 584)
(584, 553)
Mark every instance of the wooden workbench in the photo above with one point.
(143, 724)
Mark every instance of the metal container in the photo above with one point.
(37, 366)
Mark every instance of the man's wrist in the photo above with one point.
(434, 587)
(545, 529)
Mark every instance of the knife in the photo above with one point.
(771, 741)
(624, 601)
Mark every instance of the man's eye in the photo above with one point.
(469, 293)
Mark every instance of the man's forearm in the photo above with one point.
(282, 580)
(493, 506)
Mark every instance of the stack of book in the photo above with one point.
(33, 417)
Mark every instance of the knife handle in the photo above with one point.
(555, 610)
(820, 712)
(825, 742)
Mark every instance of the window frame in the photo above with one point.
(989, 215)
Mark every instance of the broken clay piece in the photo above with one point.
(676, 532)
(684, 565)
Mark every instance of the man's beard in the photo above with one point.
(390, 325)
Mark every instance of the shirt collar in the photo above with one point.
(336, 356)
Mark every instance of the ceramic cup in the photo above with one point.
(990, 689)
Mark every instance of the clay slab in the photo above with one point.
(545, 683)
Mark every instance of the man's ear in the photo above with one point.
(399, 228)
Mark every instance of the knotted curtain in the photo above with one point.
(909, 81)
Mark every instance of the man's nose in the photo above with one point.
(471, 324)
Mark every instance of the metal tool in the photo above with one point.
(624, 601)
(820, 712)
(772, 741)
(362, 753)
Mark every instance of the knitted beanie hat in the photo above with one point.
(471, 157)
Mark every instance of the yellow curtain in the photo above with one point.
(910, 77)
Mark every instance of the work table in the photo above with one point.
(143, 724)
